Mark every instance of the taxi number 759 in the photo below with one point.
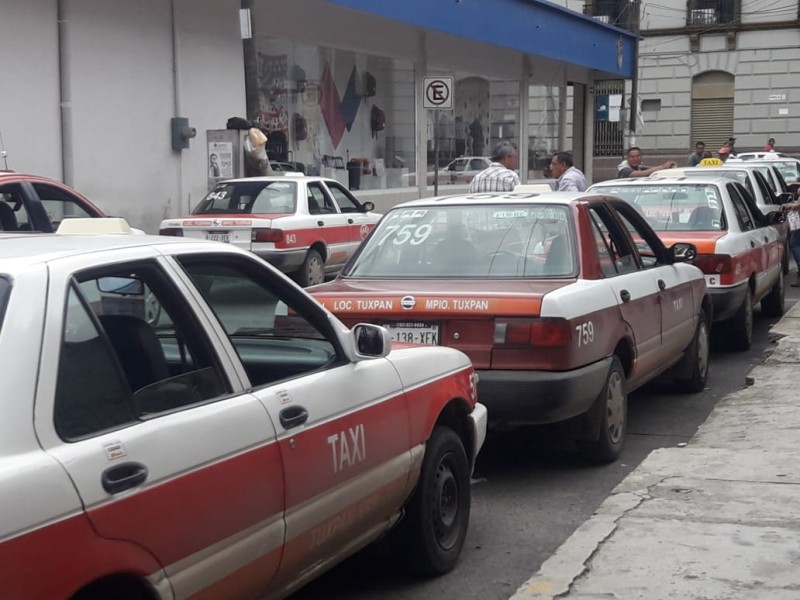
(585, 333)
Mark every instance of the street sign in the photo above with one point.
(438, 92)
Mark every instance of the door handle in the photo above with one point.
(293, 416)
(320, 223)
(752, 244)
(351, 221)
(123, 477)
(766, 239)
(662, 285)
(625, 295)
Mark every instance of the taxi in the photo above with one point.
(182, 420)
(740, 249)
(306, 226)
(564, 302)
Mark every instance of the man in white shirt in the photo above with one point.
(569, 177)
(499, 175)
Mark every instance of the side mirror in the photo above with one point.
(367, 207)
(372, 340)
(775, 217)
(785, 197)
(682, 252)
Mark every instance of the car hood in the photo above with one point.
(704, 241)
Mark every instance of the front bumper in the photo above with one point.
(479, 420)
(726, 301)
(537, 397)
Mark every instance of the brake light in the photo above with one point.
(714, 264)
(261, 234)
(550, 332)
(175, 231)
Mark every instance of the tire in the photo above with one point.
(739, 328)
(434, 528)
(313, 270)
(773, 304)
(614, 422)
(697, 358)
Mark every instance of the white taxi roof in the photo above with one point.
(289, 175)
(480, 198)
(675, 180)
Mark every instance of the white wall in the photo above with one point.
(118, 66)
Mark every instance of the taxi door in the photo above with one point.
(327, 224)
(343, 427)
(162, 443)
(359, 222)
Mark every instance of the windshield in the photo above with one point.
(470, 241)
(245, 197)
(673, 207)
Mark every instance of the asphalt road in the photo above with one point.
(531, 491)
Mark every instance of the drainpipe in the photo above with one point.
(177, 106)
(65, 100)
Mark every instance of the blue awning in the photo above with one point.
(533, 27)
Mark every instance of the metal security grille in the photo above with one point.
(608, 135)
(712, 121)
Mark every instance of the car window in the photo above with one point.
(270, 327)
(476, 164)
(61, 205)
(14, 214)
(5, 291)
(130, 350)
(615, 252)
(743, 216)
(766, 191)
(347, 204)
(243, 197)
(470, 241)
(318, 201)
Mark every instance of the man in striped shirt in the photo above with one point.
(498, 176)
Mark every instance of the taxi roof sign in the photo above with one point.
(711, 162)
(94, 226)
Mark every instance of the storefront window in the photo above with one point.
(338, 113)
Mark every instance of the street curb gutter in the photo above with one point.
(572, 561)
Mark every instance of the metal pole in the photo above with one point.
(436, 152)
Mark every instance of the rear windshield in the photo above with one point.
(250, 197)
(487, 241)
(5, 291)
(673, 207)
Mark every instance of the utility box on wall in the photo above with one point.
(225, 154)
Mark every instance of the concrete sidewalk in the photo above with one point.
(717, 519)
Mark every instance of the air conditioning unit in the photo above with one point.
(703, 16)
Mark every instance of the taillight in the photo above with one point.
(176, 231)
(549, 332)
(266, 235)
(714, 264)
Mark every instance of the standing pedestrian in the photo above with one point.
(635, 167)
(568, 177)
(724, 153)
(697, 156)
(499, 175)
(731, 144)
(794, 235)
(770, 147)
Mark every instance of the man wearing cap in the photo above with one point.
(724, 153)
(731, 144)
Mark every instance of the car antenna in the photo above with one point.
(3, 153)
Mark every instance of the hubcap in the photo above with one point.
(445, 504)
(615, 407)
(703, 349)
(316, 273)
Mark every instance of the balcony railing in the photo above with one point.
(622, 13)
(711, 13)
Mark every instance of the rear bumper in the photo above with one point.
(537, 397)
(726, 301)
(284, 260)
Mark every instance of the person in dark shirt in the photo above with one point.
(635, 167)
(697, 156)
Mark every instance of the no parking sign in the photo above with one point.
(438, 92)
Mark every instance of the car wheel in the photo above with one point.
(697, 357)
(614, 404)
(435, 525)
(313, 270)
(739, 330)
(772, 305)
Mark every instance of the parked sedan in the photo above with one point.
(740, 250)
(187, 422)
(34, 203)
(307, 226)
(561, 308)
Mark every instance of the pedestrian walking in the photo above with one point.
(568, 177)
(635, 167)
(499, 175)
(697, 155)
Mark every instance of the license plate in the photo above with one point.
(218, 237)
(414, 333)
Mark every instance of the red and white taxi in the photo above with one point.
(180, 420)
(307, 226)
(739, 248)
(560, 310)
